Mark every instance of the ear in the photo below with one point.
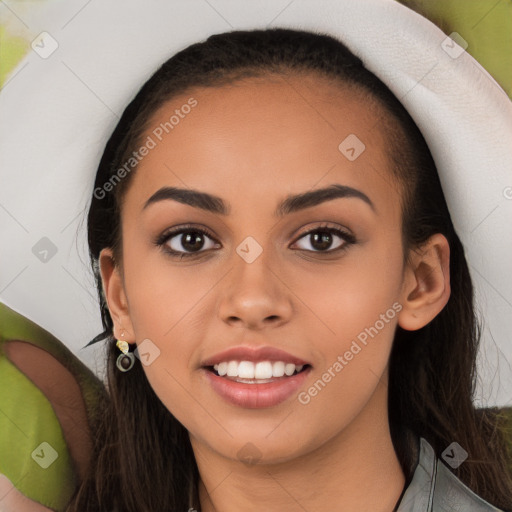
(113, 290)
(426, 286)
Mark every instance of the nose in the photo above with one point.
(256, 295)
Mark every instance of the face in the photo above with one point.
(320, 279)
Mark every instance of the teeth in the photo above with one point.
(232, 369)
(261, 370)
(289, 369)
(278, 369)
(245, 370)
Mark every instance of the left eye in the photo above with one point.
(322, 239)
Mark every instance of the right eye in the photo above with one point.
(186, 241)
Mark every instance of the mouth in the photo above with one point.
(256, 385)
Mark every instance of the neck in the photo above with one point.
(356, 470)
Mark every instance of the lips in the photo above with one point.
(255, 377)
(256, 395)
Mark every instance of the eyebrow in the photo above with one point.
(292, 203)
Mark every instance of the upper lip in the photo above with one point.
(254, 354)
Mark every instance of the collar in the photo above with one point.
(434, 488)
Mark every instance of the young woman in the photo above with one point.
(269, 231)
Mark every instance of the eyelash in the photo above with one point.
(162, 240)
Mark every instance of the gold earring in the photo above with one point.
(126, 359)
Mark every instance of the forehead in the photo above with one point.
(283, 132)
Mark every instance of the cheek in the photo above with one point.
(163, 301)
(349, 297)
(161, 294)
(355, 307)
(354, 359)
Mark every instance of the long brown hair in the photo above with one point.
(142, 458)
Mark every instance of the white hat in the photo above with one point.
(63, 101)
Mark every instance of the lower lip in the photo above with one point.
(257, 396)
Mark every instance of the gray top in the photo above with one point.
(434, 488)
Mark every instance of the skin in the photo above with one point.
(252, 144)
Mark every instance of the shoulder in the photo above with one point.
(450, 494)
(434, 488)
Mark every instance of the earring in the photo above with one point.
(126, 359)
